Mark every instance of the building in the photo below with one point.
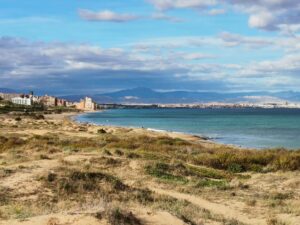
(22, 100)
(61, 102)
(8, 97)
(70, 104)
(48, 101)
(89, 104)
(86, 104)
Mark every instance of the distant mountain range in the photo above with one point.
(149, 96)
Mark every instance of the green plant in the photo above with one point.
(212, 183)
(160, 170)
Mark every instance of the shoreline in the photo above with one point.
(71, 117)
(174, 134)
(263, 143)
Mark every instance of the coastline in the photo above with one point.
(70, 120)
(157, 132)
(145, 172)
(231, 128)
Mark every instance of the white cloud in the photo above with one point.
(283, 69)
(262, 20)
(172, 4)
(270, 14)
(232, 40)
(106, 16)
(28, 63)
(263, 14)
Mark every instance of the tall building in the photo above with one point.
(86, 104)
(61, 102)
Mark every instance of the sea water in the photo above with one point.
(250, 127)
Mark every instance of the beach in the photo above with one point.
(56, 171)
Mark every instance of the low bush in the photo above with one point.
(133, 155)
(121, 217)
(144, 196)
(75, 182)
(238, 161)
(101, 131)
(119, 152)
(18, 119)
(7, 143)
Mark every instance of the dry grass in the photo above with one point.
(101, 171)
(166, 149)
(79, 184)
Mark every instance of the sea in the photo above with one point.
(244, 127)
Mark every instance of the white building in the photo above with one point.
(22, 101)
(89, 104)
(86, 104)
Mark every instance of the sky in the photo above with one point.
(98, 46)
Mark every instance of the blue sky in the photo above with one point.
(93, 46)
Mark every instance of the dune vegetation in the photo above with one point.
(54, 171)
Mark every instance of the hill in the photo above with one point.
(146, 95)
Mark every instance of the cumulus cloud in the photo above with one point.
(63, 67)
(270, 14)
(106, 16)
(67, 68)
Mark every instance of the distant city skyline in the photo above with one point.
(92, 46)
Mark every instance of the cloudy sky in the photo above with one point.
(95, 46)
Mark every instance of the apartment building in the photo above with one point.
(86, 104)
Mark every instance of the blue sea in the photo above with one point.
(251, 128)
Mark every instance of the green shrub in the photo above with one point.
(161, 171)
(212, 183)
(235, 168)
